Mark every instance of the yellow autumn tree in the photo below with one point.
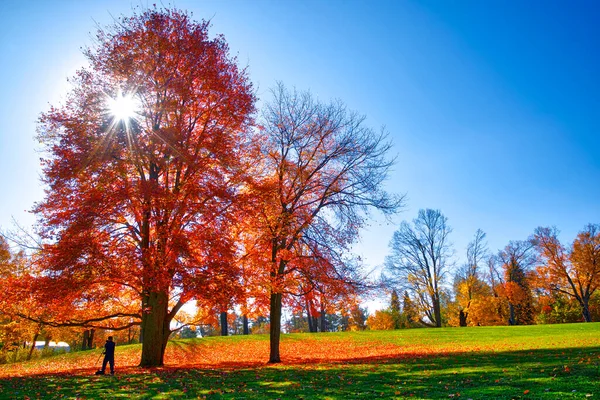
(382, 320)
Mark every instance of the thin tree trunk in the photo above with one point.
(90, 344)
(32, 346)
(311, 327)
(245, 323)
(437, 313)
(275, 327)
(511, 318)
(585, 310)
(86, 338)
(155, 325)
(224, 327)
(323, 320)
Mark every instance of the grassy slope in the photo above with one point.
(548, 361)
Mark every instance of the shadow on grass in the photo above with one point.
(532, 374)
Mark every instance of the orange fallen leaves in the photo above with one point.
(225, 353)
(252, 351)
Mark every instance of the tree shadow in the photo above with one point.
(541, 373)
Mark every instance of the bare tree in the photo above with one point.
(517, 258)
(419, 259)
(322, 171)
(467, 281)
(493, 274)
(477, 251)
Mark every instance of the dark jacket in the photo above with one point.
(109, 349)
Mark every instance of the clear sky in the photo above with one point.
(493, 106)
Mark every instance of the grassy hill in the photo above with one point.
(529, 362)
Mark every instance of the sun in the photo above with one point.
(123, 107)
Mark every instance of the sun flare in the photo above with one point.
(123, 107)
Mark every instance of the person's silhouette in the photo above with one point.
(109, 355)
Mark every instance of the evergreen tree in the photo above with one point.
(395, 310)
(408, 311)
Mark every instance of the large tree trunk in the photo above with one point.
(155, 325)
(275, 327)
(224, 327)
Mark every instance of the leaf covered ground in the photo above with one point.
(532, 362)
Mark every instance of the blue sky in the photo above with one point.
(493, 106)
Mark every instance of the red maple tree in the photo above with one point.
(141, 171)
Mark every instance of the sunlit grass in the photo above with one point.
(536, 362)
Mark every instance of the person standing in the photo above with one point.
(109, 355)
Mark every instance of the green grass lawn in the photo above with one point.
(532, 362)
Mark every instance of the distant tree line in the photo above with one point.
(534, 281)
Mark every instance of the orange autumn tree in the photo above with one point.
(13, 330)
(517, 259)
(141, 170)
(574, 272)
(318, 298)
(22, 310)
(326, 298)
(321, 173)
(382, 320)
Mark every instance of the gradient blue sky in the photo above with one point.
(493, 106)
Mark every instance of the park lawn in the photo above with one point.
(530, 362)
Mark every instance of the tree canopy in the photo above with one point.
(321, 173)
(136, 198)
